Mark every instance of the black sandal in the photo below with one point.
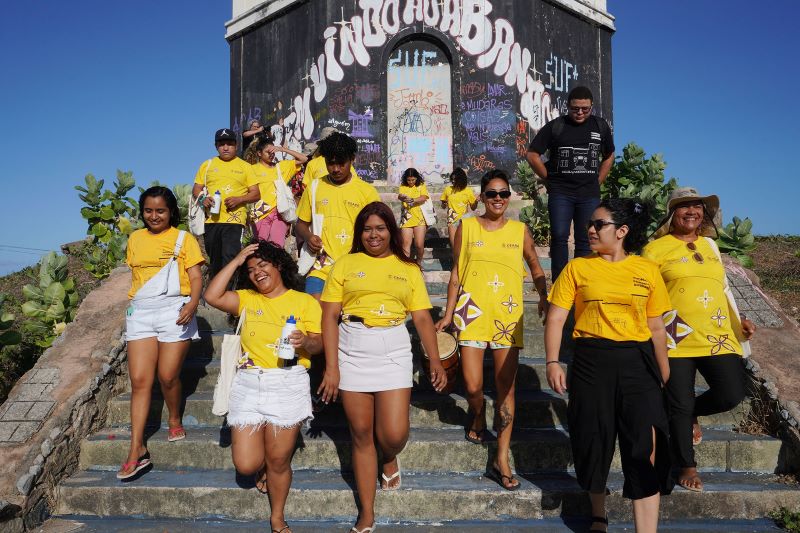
(602, 520)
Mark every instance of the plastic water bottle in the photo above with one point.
(217, 203)
(285, 348)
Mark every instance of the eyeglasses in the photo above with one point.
(576, 109)
(494, 194)
(599, 224)
(697, 256)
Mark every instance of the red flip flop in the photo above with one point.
(140, 463)
(176, 433)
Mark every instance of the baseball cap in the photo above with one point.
(224, 134)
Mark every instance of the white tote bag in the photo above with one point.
(308, 258)
(231, 353)
(197, 213)
(286, 205)
(428, 212)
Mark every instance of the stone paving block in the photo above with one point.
(749, 292)
(744, 304)
(758, 304)
(30, 391)
(40, 410)
(7, 429)
(17, 410)
(737, 280)
(44, 375)
(767, 318)
(24, 431)
(736, 293)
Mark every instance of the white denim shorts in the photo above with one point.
(483, 345)
(144, 321)
(280, 397)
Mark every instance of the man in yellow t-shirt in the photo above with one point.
(316, 168)
(339, 199)
(236, 183)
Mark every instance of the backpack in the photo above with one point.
(602, 125)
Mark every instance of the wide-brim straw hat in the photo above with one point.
(309, 149)
(686, 194)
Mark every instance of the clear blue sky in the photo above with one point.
(93, 86)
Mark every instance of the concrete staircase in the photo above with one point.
(194, 487)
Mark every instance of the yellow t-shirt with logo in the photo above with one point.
(613, 300)
(699, 322)
(339, 205)
(316, 168)
(147, 253)
(230, 178)
(491, 271)
(458, 202)
(381, 290)
(412, 216)
(265, 177)
(261, 331)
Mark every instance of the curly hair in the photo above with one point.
(277, 257)
(169, 198)
(631, 212)
(411, 171)
(338, 147)
(491, 175)
(395, 241)
(459, 177)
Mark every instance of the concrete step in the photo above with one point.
(534, 409)
(89, 524)
(328, 495)
(428, 450)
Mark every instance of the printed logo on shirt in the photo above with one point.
(510, 245)
(642, 283)
(352, 204)
(595, 136)
(398, 278)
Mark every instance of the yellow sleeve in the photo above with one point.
(250, 177)
(419, 292)
(650, 252)
(564, 289)
(200, 177)
(288, 169)
(191, 249)
(658, 303)
(334, 285)
(304, 209)
(372, 195)
(471, 195)
(312, 320)
(423, 191)
(445, 194)
(243, 300)
(128, 251)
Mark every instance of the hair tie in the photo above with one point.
(637, 208)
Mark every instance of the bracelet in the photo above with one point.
(550, 363)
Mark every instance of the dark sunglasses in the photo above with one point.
(697, 256)
(493, 194)
(599, 224)
(579, 109)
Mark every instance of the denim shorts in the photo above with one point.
(314, 285)
(483, 344)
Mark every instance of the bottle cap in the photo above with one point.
(291, 320)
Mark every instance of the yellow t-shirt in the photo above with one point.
(699, 322)
(491, 272)
(457, 203)
(411, 217)
(381, 290)
(339, 205)
(316, 169)
(613, 300)
(148, 253)
(261, 331)
(265, 177)
(230, 178)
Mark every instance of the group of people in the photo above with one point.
(643, 324)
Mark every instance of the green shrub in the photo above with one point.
(788, 520)
(535, 216)
(736, 239)
(51, 303)
(529, 182)
(8, 336)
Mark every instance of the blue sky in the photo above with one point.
(93, 86)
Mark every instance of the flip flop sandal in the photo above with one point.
(387, 480)
(281, 530)
(261, 484)
(683, 482)
(176, 433)
(602, 520)
(498, 477)
(139, 464)
(483, 436)
(368, 529)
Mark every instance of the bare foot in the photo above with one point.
(690, 480)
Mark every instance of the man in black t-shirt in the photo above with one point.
(580, 147)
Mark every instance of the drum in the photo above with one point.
(448, 353)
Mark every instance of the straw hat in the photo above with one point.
(309, 149)
(686, 194)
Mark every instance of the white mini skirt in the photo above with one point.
(374, 359)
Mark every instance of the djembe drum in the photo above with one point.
(448, 353)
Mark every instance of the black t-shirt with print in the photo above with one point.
(575, 154)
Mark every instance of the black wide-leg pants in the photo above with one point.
(615, 393)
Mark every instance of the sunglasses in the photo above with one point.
(577, 109)
(697, 256)
(494, 194)
(599, 224)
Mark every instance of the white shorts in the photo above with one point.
(374, 359)
(143, 321)
(280, 397)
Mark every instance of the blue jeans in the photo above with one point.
(564, 211)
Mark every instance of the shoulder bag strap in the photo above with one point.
(178, 243)
(241, 321)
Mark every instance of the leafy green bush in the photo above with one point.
(787, 519)
(535, 216)
(529, 182)
(8, 336)
(736, 239)
(111, 217)
(636, 176)
(51, 303)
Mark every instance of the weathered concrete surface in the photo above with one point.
(79, 358)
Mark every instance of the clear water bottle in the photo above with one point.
(285, 348)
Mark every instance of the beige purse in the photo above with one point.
(231, 353)
(197, 213)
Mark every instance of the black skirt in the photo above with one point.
(615, 391)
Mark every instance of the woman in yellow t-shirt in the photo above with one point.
(620, 362)
(413, 193)
(485, 303)
(368, 355)
(160, 323)
(457, 198)
(705, 331)
(270, 226)
(270, 397)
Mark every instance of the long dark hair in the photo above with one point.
(411, 171)
(169, 198)
(279, 258)
(395, 241)
(459, 177)
(631, 212)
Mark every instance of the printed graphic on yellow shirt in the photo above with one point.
(412, 216)
(230, 178)
(457, 202)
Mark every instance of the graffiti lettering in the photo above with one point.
(560, 71)
(360, 123)
(480, 163)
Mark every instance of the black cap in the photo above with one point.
(224, 134)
